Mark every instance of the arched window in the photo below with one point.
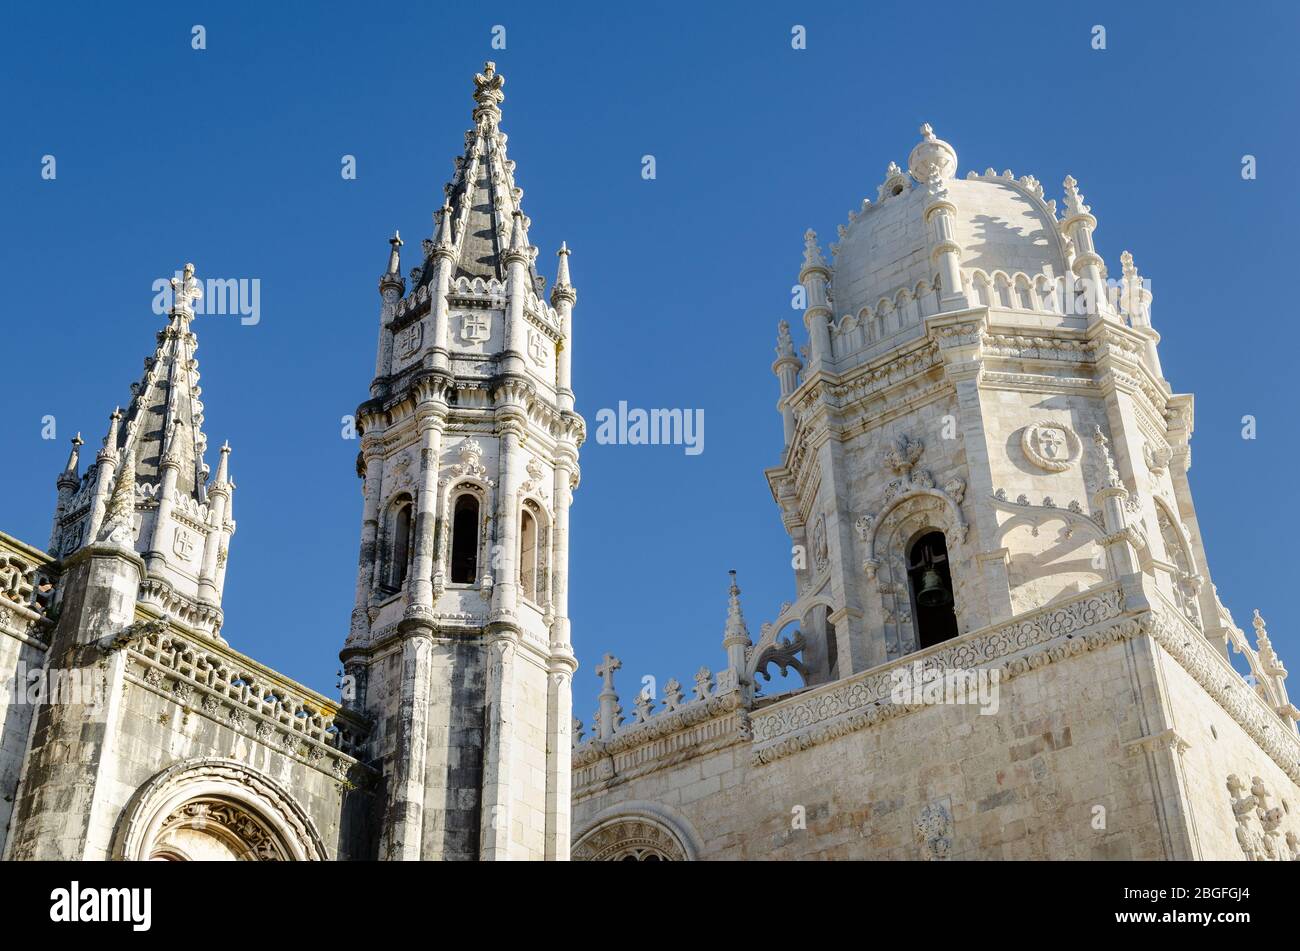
(464, 540)
(832, 647)
(930, 582)
(528, 556)
(401, 546)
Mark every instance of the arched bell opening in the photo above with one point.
(929, 579)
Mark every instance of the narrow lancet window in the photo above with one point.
(464, 540)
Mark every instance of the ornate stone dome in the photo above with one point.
(1002, 224)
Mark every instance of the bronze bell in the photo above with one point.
(933, 594)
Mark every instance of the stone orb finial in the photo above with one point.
(932, 158)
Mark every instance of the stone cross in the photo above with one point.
(606, 670)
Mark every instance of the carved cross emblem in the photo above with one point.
(408, 340)
(476, 328)
(183, 545)
(537, 348)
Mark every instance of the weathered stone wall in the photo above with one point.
(1215, 746)
(1104, 745)
(16, 655)
(170, 700)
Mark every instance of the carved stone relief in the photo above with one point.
(1050, 445)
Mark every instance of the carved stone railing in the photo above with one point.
(234, 690)
(699, 727)
(816, 715)
(648, 722)
(27, 580)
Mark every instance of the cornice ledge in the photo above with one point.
(1015, 647)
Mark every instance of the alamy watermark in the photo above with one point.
(36, 685)
(917, 684)
(241, 297)
(653, 427)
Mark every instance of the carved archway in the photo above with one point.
(637, 832)
(215, 809)
(886, 538)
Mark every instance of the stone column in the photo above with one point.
(373, 456)
(218, 506)
(431, 418)
(494, 842)
(402, 831)
(559, 756)
(563, 297)
(814, 276)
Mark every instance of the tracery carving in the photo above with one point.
(630, 839)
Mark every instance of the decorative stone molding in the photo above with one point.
(858, 702)
(250, 699)
(1050, 445)
(636, 831)
(252, 814)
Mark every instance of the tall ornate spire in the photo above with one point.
(477, 220)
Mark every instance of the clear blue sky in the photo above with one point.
(230, 158)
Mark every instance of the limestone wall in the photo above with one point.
(171, 702)
(1112, 738)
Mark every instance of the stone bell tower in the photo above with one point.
(459, 643)
(978, 425)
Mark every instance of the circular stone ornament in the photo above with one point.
(1050, 445)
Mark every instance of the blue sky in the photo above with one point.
(230, 158)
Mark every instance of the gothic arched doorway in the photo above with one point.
(215, 810)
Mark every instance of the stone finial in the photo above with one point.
(562, 269)
(185, 291)
(643, 707)
(223, 467)
(1113, 481)
(487, 91)
(74, 457)
(672, 695)
(395, 253)
(703, 680)
(932, 159)
(812, 254)
(784, 342)
(109, 448)
(443, 236)
(517, 232)
(1073, 197)
(735, 631)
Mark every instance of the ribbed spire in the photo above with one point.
(395, 253)
(119, 517)
(74, 459)
(444, 237)
(223, 467)
(477, 218)
(110, 441)
(164, 421)
(562, 271)
(736, 629)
